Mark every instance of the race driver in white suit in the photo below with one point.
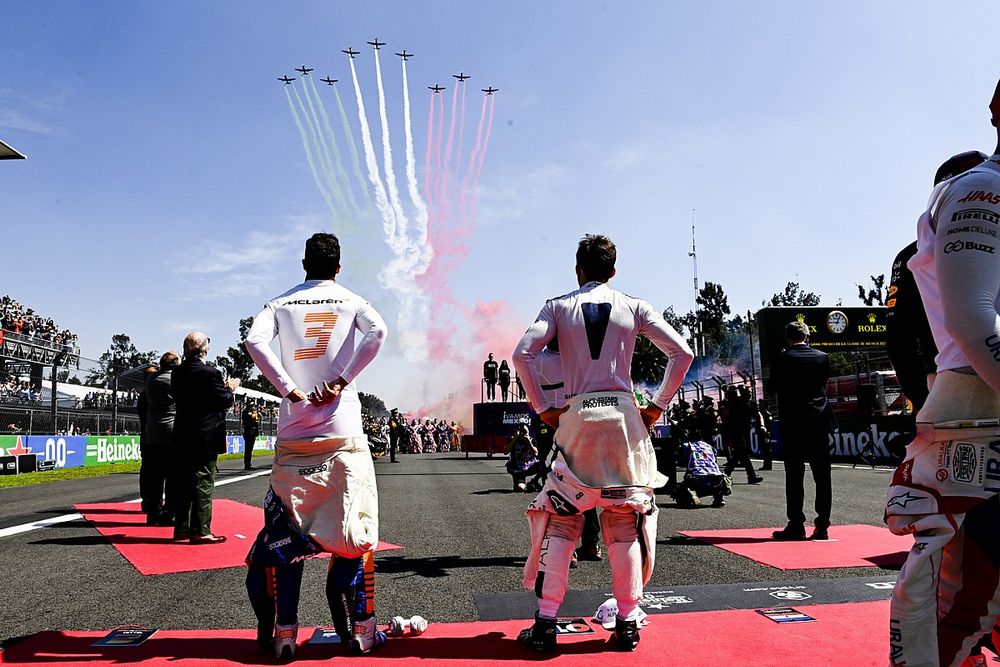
(605, 456)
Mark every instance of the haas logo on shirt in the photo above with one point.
(980, 195)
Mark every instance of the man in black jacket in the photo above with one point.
(199, 436)
(799, 376)
(157, 435)
(251, 429)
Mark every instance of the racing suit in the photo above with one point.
(945, 491)
(605, 456)
(322, 496)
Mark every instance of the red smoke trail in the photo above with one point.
(494, 328)
(482, 159)
(471, 170)
(461, 133)
(447, 152)
(438, 169)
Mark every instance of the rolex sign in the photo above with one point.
(831, 329)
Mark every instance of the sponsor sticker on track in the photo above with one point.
(125, 637)
(881, 585)
(324, 636)
(790, 595)
(785, 615)
(573, 626)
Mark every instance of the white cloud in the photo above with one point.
(21, 113)
(243, 269)
(515, 196)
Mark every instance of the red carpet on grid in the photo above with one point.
(848, 546)
(843, 635)
(151, 550)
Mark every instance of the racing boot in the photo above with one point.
(284, 640)
(626, 634)
(367, 637)
(541, 636)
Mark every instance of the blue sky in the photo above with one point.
(167, 187)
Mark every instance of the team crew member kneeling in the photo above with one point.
(605, 456)
(945, 493)
(322, 496)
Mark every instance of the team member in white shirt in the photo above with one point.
(322, 496)
(605, 456)
(945, 492)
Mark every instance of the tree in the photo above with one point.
(793, 295)
(373, 404)
(648, 363)
(877, 294)
(711, 314)
(239, 364)
(121, 356)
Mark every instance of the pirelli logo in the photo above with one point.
(321, 332)
(976, 214)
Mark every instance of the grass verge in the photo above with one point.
(86, 472)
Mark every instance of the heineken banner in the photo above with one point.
(830, 328)
(103, 449)
(855, 435)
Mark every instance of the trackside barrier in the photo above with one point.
(67, 451)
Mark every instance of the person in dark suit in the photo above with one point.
(799, 376)
(157, 436)
(202, 398)
(251, 429)
(490, 370)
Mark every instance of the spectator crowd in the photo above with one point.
(16, 318)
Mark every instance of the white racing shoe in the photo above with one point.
(367, 637)
(284, 641)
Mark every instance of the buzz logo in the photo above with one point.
(790, 595)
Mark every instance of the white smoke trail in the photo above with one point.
(411, 179)
(344, 182)
(320, 150)
(381, 202)
(390, 173)
(352, 145)
(486, 143)
(396, 276)
(401, 271)
(307, 146)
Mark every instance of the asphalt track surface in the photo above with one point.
(461, 526)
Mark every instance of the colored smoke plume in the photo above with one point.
(493, 327)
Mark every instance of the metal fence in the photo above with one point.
(34, 419)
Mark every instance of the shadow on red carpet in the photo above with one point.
(848, 546)
(151, 549)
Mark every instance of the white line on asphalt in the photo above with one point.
(44, 523)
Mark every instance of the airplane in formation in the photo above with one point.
(436, 88)
(461, 76)
(286, 79)
(328, 81)
(404, 55)
(304, 70)
(350, 51)
(490, 90)
(377, 44)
